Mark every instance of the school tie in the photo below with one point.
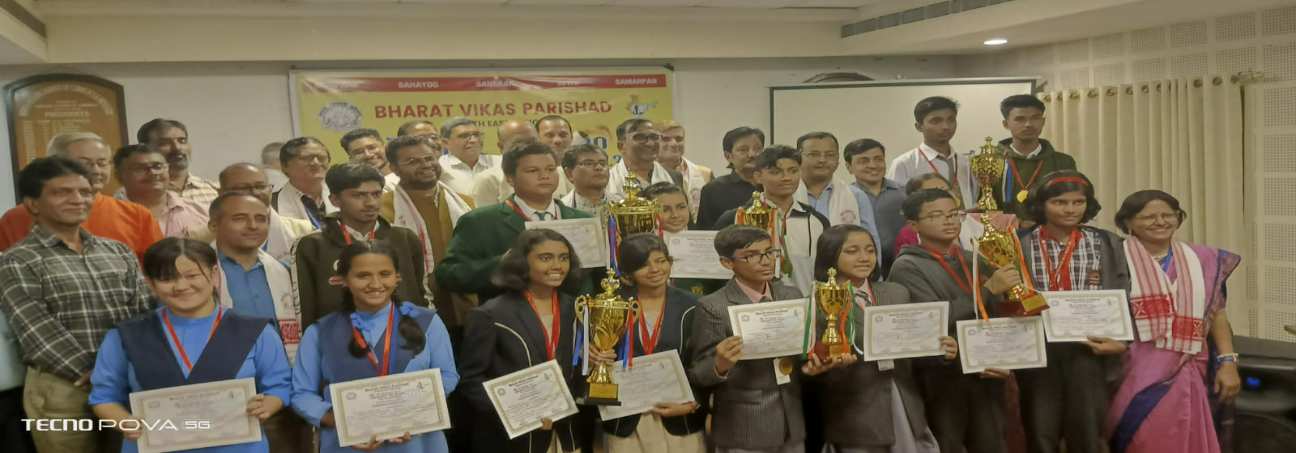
(542, 215)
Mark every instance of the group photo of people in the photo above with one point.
(430, 296)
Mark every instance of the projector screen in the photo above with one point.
(883, 111)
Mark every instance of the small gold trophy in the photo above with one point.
(833, 299)
(633, 214)
(999, 248)
(758, 214)
(609, 316)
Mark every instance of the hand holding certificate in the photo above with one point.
(1074, 316)
(770, 329)
(905, 331)
(387, 407)
(1003, 343)
(525, 397)
(695, 255)
(585, 235)
(654, 378)
(196, 416)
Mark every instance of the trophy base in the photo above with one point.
(827, 352)
(600, 394)
(1034, 305)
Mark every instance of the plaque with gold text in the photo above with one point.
(42, 106)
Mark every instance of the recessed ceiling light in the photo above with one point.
(996, 42)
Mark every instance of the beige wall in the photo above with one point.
(233, 109)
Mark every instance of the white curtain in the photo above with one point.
(1182, 136)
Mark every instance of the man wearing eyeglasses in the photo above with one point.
(465, 159)
(430, 208)
(305, 160)
(171, 138)
(587, 168)
(144, 174)
(248, 179)
(124, 222)
(840, 202)
(639, 143)
(368, 147)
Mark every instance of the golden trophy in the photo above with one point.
(1000, 248)
(632, 214)
(834, 300)
(758, 214)
(609, 316)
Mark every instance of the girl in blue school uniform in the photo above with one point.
(168, 346)
(350, 345)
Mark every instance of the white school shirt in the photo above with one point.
(916, 162)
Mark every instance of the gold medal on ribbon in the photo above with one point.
(1021, 196)
(785, 366)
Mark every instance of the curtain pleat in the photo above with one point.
(1183, 136)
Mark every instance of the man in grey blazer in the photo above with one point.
(752, 411)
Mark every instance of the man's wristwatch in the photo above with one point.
(1231, 357)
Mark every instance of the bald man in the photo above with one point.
(489, 187)
(250, 179)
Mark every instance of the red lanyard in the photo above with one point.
(551, 342)
(1059, 278)
(519, 210)
(386, 363)
(952, 165)
(1017, 175)
(220, 312)
(966, 273)
(346, 233)
(650, 341)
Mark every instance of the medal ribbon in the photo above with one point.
(551, 333)
(1017, 174)
(220, 312)
(1059, 278)
(347, 234)
(386, 363)
(650, 341)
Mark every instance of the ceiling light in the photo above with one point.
(996, 42)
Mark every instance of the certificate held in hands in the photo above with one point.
(770, 329)
(905, 331)
(387, 407)
(695, 256)
(585, 235)
(213, 414)
(654, 378)
(1077, 315)
(1003, 343)
(524, 397)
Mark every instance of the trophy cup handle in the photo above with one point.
(581, 303)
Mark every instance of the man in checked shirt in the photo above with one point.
(63, 290)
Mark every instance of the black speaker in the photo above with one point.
(1266, 408)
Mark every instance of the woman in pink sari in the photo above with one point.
(1180, 375)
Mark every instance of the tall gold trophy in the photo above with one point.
(633, 214)
(758, 214)
(609, 316)
(834, 300)
(999, 248)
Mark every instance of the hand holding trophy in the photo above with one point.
(609, 317)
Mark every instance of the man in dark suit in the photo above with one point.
(483, 235)
(757, 403)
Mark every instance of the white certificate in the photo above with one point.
(905, 331)
(196, 416)
(585, 235)
(770, 329)
(1004, 343)
(523, 397)
(695, 255)
(389, 406)
(1076, 315)
(654, 378)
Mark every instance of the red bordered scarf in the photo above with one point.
(1170, 313)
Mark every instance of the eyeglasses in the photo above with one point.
(679, 139)
(367, 149)
(938, 217)
(310, 158)
(141, 170)
(1152, 218)
(425, 159)
(760, 258)
(476, 135)
(593, 165)
(646, 137)
(253, 188)
(820, 156)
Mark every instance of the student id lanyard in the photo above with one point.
(551, 340)
(385, 367)
(220, 312)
